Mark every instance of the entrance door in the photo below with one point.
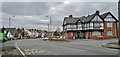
(79, 35)
(86, 35)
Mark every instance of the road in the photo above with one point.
(39, 47)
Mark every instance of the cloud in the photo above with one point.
(33, 14)
(66, 1)
(18, 8)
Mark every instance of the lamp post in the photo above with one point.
(49, 26)
(49, 23)
(10, 21)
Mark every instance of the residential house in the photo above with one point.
(19, 33)
(93, 26)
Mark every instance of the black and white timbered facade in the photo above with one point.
(92, 25)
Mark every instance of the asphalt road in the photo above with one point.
(39, 47)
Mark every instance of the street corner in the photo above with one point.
(110, 45)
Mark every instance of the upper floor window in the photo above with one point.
(109, 33)
(109, 24)
(73, 27)
(109, 18)
(97, 25)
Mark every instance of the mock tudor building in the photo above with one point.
(93, 26)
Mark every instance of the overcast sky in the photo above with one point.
(33, 14)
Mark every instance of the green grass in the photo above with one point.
(116, 43)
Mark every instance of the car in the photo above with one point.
(46, 38)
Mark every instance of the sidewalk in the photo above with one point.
(90, 42)
(8, 49)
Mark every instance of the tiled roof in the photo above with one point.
(104, 15)
(75, 19)
(71, 20)
(88, 18)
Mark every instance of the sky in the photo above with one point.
(32, 14)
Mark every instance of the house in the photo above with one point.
(93, 26)
(19, 33)
(69, 26)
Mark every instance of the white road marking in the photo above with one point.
(29, 53)
(32, 52)
(27, 50)
(20, 50)
(36, 51)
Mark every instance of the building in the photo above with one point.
(93, 26)
(19, 33)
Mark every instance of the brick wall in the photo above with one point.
(113, 29)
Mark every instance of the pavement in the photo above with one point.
(8, 50)
(74, 47)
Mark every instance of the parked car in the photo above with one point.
(46, 38)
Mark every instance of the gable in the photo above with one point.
(109, 18)
(97, 18)
(64, 22)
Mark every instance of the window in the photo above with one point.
(91, 25)
(80, 27)
(109, 24)
(96, 33)
(101, 26)
(71, 27)
(97, 25)
(109, 33)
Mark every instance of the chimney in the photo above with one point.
(88, 15)
(97, 12)
(70, 16)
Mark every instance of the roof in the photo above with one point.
(11, 30)
(88, 18)
(72, 20)
(106, 14)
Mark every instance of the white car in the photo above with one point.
(46, 38)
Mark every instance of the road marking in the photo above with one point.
(29, 53)
(20, 50)
(32, 52)
(27, 50)
(36, 51)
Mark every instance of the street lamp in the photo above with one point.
(10, 21)
(49, 25)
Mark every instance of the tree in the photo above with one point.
(56, 33)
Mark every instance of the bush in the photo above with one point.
(56, 33)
